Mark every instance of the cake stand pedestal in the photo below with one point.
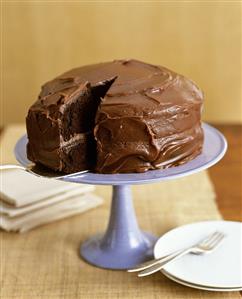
(124, 245)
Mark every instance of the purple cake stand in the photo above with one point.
(124, 245)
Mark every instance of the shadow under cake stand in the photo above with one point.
(124, 245)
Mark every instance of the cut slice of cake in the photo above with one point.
(60, 125)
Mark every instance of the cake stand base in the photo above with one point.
(123, 245)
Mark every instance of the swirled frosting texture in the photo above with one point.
(149, 119)
(141, 117)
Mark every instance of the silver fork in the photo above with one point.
(205, 246)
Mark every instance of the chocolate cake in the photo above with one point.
(116, 117)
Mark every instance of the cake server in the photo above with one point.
(40, 171)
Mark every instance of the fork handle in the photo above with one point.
(161, 264)
(153, 262)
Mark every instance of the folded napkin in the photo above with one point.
(27, 201)
(20, 188)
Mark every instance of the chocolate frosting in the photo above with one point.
(141, 116)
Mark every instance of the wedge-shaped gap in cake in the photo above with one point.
(79, 114)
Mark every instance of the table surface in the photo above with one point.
(227, 174)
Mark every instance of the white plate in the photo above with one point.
(218, 269)
(197, 286)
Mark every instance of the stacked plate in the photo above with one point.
(220, 270)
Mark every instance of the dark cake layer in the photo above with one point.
(142, 117)
(60, 125)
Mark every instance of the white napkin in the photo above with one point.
(69, 207)
(28, 201)
(20, 188)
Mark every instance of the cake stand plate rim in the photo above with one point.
(215, 146)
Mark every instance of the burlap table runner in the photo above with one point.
(45, 263)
